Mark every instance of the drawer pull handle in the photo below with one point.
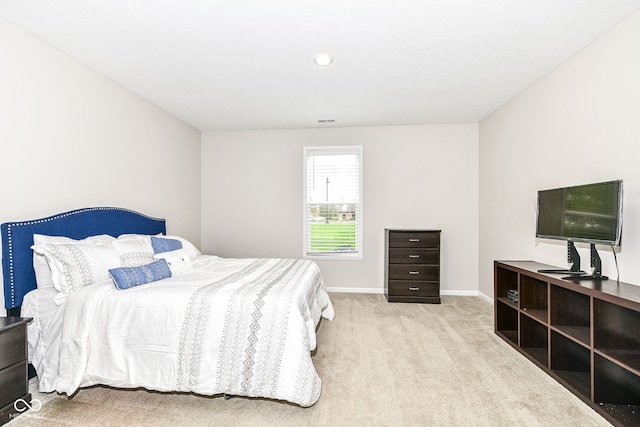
(414, 240)
(414, 256)
(414, 272)
(414, 289)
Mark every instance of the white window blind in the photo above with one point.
(333, 201)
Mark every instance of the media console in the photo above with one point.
(585, 334)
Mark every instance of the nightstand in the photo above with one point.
(14, 381)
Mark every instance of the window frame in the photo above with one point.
(306, 223)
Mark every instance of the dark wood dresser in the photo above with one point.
(412, 265)
(14, 381)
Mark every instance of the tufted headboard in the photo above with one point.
(17, 239)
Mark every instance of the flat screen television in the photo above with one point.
(590, 213)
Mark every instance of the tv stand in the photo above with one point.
(572, 273)
(582, 334)
(586, 277)
(596, 264)
(573, 258)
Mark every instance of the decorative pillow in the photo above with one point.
(189, 247)
(44, 278)
(128, 277)
(161, 244)
(74, 266)
(178, 260)
(135, 251)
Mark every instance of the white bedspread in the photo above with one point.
(236, 326)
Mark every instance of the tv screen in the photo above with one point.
(589, 213)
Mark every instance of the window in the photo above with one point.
(333, 202)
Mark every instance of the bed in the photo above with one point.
(197, 323)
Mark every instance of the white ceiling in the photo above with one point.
(248, 64)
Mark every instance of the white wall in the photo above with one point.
(71, 138)
(414, 176)
(579, 124)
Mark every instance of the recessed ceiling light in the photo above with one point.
(322, 59)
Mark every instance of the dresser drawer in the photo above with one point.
(414, 256)
(12, 346)
(407, 288)
(414, 239)
(13, 383)
(414, 272)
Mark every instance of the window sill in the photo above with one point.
(334, 257)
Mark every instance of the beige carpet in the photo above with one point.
(381, 365)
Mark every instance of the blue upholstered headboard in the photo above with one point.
(17, 239)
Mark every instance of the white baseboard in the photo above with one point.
(357, 290)
(468, 294)
(381, 291)
(486, 298)
(459, 293)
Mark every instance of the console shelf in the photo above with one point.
(582, 333)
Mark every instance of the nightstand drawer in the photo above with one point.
(414, 239)
(407, 288)
(13, 383)
(414, 272)
(12, 346)
(414, 256)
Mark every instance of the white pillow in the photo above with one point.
(178, 260)
(135, 251)
(44, 278)
(189, 247)
(98, 239)
(74, 266)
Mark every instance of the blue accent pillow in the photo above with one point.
(128, 277)
(161, 244)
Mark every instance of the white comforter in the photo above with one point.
(236, 326)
